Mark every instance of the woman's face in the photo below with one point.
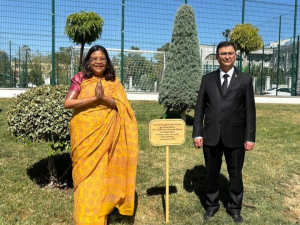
(98, 63)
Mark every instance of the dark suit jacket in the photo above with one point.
(231, 117)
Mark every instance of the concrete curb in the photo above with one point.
(11, 92)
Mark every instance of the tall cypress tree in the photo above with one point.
(182, 76)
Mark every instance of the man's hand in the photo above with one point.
(198, 142)
(249, 146)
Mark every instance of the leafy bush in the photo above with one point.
(39, 115)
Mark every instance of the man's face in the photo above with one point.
(226, 57)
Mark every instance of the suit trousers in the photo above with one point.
(213, 160)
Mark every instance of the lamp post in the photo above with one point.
(226, 33)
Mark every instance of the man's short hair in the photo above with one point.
(225, 44)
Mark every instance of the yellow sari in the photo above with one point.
(104, 144)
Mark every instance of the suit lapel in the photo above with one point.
(234, 78)
(217, 79)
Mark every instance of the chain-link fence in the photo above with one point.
(35, 51)
(142, 70)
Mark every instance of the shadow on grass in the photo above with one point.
(162, 192)
(195, 181)
(177, 115)
(116, 217)
(39, 173)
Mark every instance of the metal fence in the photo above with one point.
(34, 49)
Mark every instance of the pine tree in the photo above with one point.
(182, 76)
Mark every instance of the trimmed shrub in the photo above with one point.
(182, 76)
(39, 115)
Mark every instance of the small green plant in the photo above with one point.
(38, 115)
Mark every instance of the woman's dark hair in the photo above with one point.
(225, 44)
(109, 73)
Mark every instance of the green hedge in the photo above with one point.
(39, 115)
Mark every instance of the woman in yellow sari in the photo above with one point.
(104, 141)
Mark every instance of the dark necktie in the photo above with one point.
(225, 84)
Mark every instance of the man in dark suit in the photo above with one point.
(224, 123)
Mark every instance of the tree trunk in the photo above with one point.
(52, 171)
(81, 54)
(183, 116)
(166, 113)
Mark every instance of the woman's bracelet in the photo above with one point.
(82, 102)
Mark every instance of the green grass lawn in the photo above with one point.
(271, 176)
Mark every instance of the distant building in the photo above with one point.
(46, 78)
(286, 59)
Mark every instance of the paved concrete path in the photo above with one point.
(151, 96)
(258, 99)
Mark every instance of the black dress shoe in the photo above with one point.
(236, 216)
(209, 214)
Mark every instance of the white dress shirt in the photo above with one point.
(230, 73)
